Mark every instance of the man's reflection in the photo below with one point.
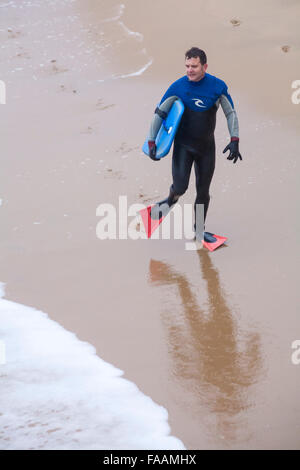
(211, 358)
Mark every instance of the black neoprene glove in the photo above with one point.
(152, 150)
(233, 148)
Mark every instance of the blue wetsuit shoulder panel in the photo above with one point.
(198, 96)
(201, 100)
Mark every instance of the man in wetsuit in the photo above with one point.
(201, 94)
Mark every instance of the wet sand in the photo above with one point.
(208, 336)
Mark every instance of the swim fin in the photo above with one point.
(212, 241)
(153, 215)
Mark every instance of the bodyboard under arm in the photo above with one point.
(157, 120)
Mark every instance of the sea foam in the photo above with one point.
(58, 394)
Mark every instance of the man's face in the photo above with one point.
(194, 70)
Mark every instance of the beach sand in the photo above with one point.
(206, 335)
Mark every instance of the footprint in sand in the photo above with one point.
(146, 199)
(125, 148)
(54, 69)
(101, 106)
(23, 55)
(136, 229)
(88, 130)
(13, 34)
(63, 88)
(114, 174)
(235, 22)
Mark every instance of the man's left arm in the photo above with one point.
(233, 126)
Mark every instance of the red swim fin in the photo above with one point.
(149, 223)
(216, 241)
(153, 215)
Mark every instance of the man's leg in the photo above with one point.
(182, 162)
(204, 170)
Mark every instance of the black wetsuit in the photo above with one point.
(200, 151)
(194, 141)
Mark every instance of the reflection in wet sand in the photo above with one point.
(204, 344)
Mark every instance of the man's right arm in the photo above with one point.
(161, 110)
(160, 113)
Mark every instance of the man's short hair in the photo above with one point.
(196, 52)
